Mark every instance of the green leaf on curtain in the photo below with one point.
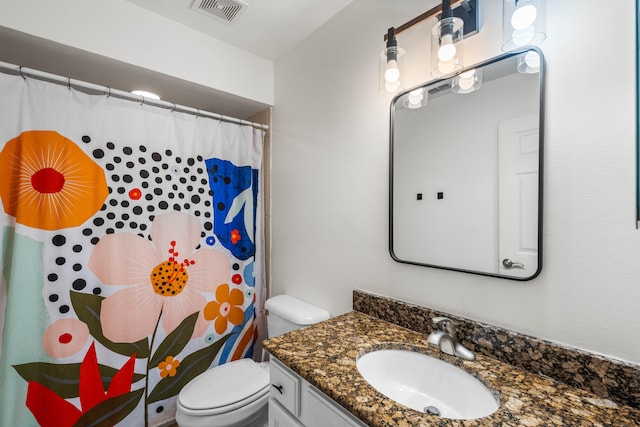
(64, 379)
(87, 308)
(175, 341)
(192, 366)
(111, 411)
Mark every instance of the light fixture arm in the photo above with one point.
(392, 54)
(470, 9)
(447, 12)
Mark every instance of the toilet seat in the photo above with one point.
(225, 388)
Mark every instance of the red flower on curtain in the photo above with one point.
(51, 410)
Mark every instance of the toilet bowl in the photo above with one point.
(236, 394)
(229, 395)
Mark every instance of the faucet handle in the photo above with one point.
(448, 325)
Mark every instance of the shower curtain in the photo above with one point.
(131, 254)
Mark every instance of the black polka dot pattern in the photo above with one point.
(143, 182)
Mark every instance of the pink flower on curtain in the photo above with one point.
(65, 337)
(165, 276)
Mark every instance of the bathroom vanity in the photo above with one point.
(321, 360)
(293, 402)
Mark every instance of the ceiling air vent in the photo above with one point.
(226, 10)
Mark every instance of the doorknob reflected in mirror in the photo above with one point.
(507, 263)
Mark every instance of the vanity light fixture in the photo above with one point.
(467, 81)
(523, 23)
(446, 43)
(391, 65)
(458, 19)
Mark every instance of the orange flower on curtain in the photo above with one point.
(165, 276)
(169, 367)
(226, 308)
(48, 182)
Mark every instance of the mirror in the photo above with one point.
(466, 170)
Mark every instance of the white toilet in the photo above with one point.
(236, 393)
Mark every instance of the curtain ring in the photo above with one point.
(69, 83)
(142, 101)
(21, 73)
(198, 113)
(108, 92)
(174, 107)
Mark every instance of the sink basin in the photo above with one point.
(426, 384)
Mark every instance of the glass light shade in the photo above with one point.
(467, 82)
(523, 23)
(417, 98)
(391, 70)
(528, 63)
(446, 47)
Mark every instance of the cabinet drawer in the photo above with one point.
(278, 417)
(285, 387)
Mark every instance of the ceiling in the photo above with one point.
(267, 28)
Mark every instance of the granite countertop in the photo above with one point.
(325, 355)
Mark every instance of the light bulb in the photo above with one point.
(468, 74)
(467, 79)
(446, 67)
(392, 73)
(532, 59)
(447, 50)
(523, 37)
(524, 17)
(415, 98)
(392, 87)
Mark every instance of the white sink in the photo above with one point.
(426, 384)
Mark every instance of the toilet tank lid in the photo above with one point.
(295, 310)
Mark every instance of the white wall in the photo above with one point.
(123, 31)
(329, 189)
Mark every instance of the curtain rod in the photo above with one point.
(106, 90)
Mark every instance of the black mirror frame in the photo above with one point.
(540, 166)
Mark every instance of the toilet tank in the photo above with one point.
(287, 313)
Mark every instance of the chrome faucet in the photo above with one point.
(445, 339)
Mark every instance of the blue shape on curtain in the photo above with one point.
(249, 278)
(235, 198)
(239, 331)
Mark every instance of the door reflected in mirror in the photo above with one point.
(466, 170)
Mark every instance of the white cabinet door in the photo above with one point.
(279, 417)
(293, 402)
(323, 412)
(285, 387)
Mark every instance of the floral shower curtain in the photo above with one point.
(131, 254)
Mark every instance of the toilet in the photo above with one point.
(236, 394)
